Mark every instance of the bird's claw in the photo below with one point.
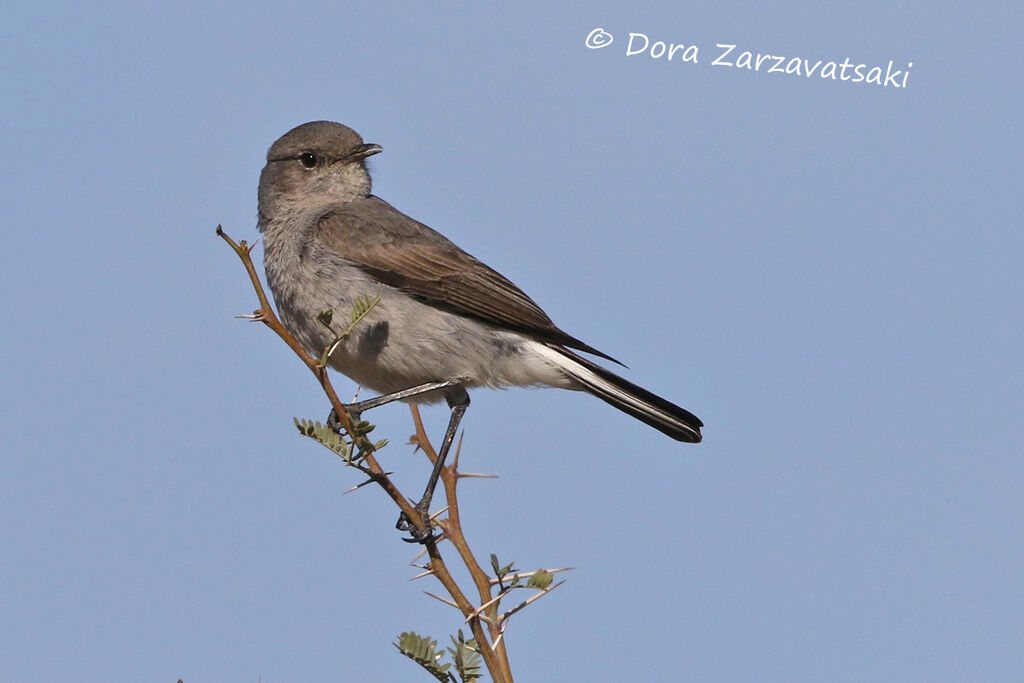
(335, 425)
(417, 534)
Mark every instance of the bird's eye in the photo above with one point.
(308, 159)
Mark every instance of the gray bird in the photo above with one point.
(445, 322)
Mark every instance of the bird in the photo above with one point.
(443, 322)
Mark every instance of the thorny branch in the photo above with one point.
(491, 644)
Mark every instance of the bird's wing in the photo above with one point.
(408, 255)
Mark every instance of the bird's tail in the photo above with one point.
(665, 416)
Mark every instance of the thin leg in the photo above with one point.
(357, 409)
(458, 401)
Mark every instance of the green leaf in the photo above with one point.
(424, 652)
(360, 308)
(541, 579)
(328, 438)
(466, 658)
(363, 305)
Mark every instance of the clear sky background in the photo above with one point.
(828, 273)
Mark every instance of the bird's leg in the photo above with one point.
(458, 401)
(355, 410)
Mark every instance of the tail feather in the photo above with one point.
(649, 408)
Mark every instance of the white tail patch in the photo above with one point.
(624, 395)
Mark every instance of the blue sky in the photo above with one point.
(828, 273)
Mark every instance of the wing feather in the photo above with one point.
(408, 255)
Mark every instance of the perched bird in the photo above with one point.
(445, 322)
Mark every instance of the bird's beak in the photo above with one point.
(363, 151)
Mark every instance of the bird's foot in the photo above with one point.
(335, 425)
(418, 534)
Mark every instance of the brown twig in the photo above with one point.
(452, 527)
(496, 660)
(265, 314)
